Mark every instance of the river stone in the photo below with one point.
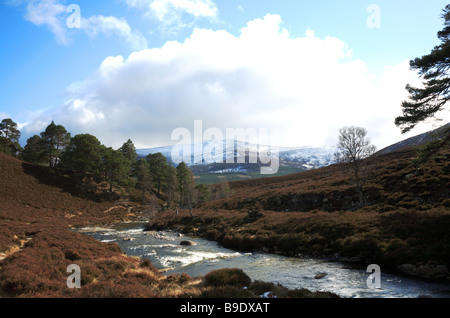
(320, 275)
(188, 243)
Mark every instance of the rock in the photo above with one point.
(128, 239)
(320, 275)
(188, 243)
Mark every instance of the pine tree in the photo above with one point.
(55, 139)
(185, 185)
(116, 167)
(143, 176)
(34, 150)
(84, 154)
(172, 185)
(426, 102)
(9, 137)
(158, 168)
(129, 151)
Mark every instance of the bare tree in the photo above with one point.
(354, 146)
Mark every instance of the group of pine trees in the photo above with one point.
(85, 155)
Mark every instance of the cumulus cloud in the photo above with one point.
(54, 15)
(306, 87)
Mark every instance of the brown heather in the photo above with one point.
(406, 218)
(37, 212)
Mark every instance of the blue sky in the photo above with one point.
(141, 68)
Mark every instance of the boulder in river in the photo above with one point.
(320, 275)
(188, 243)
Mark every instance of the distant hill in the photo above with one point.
(291, 160)
(415, 141)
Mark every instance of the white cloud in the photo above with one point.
(196, 8)
(113, 26)
(54, 15)
(47, 12)
(172, 13)
(306, 87)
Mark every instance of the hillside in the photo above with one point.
(39, 209)
(405, 221)
(35, 197)
(329, 188)
(37, 245)
(415, 141)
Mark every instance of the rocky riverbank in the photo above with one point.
(312, 234)
(427, 271)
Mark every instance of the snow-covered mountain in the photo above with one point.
(238, 151)
(308, 157)
(166, 151)
(299, 158)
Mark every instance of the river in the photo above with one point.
(163, 249)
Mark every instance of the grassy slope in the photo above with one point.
(407, 218)
(36, 215)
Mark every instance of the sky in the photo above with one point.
(141, 69)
